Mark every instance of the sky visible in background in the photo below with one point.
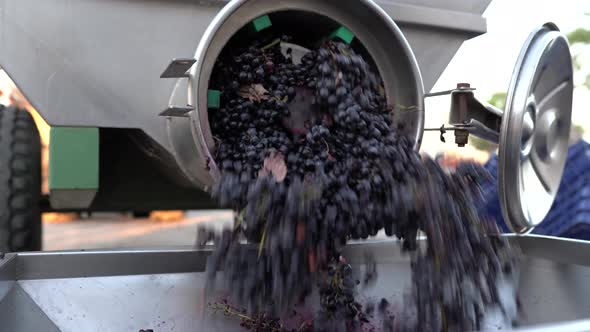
(487, 61)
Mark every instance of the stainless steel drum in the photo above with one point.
(80, 76)
(532, 131)
(382, 40)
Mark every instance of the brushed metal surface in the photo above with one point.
(7, 275)
(18, 312)
(535, 130)
(128, 290)
(96, 63)
(79, 264)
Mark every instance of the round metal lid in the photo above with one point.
(535, 129)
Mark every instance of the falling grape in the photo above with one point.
(309, 159)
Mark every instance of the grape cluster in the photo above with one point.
(309, 159)
(339, 311)
(458, 278)
(259, 322)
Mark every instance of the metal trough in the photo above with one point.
(163, 289)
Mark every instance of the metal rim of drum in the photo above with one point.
(535, 130)
(395, 60)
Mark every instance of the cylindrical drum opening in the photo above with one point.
(376, 37)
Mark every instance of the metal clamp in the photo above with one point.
(470, 116)
(443, 130)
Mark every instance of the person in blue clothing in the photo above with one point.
(570, 214)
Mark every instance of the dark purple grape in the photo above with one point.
(342, 171)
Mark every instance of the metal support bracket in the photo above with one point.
(178, 111)
(178, 68)
(470, 116)
(443, 130)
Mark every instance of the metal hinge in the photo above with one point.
(469, 116)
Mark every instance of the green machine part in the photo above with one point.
(261, 23)
(73, 167)
(344, 34)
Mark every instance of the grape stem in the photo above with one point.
(273, 43)
(219, 141)
(328, 149)
(261, 245)
(406, 108)
(240, 219)
(229, 312)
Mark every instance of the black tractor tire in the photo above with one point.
(20, 181)
(141, 214)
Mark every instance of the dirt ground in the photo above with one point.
(111, 231)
